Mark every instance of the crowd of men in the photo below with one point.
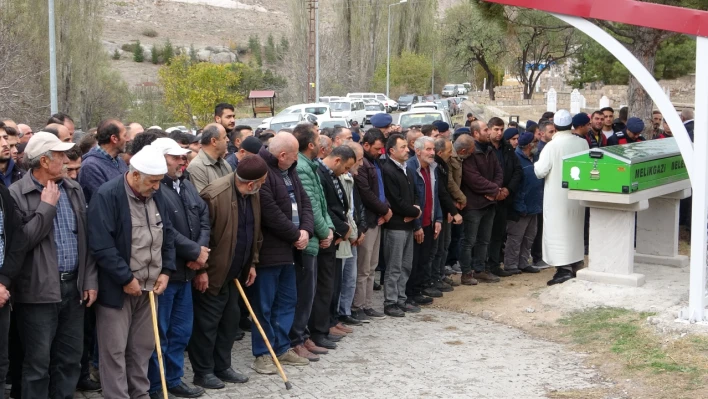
(91, 223)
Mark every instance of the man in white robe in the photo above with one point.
(563, 219)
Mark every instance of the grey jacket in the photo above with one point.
(39, 280)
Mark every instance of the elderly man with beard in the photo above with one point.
(190, 219)
(132, 239)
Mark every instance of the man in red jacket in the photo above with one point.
(482, 181)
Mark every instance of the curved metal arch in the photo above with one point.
(645, 78)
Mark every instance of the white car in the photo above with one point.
(350, 109)
(332, 123)
(384, 99)
(423, 117)
(289, 121)
(426, 105)
(373, 107)
(461, 89)
(449, 91)
(312, 108)
(327, 99)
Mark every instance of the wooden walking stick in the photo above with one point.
(157, 344)
(288, 385)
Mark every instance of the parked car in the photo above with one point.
(289, 121)
(449, 91)
(385, 100)
(327, 99)
(423, 117)
(373, 107)
(349, 109)
(311, 108)
(333, 122)
(461, 89)
(405, 101)
(425, 105)
(443, 104)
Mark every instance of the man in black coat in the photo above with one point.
(511, 169)
(338, 162)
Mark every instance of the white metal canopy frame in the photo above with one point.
(695, 155)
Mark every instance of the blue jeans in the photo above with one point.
(174, 320)
(273, 298)
(349, 273)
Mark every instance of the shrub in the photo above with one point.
(116, 55)
(150, 32)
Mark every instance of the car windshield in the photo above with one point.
(316, 110)
(283, 124)
(448, 87)
(406, 99)
(340, 106)
(332, 123)
(422, 118)
(374, 107)
(381, 97)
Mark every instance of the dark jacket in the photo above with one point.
(190, 220)
(620, 138)
(593, 142)
(223, 202)
(362, 225)
(279, 232)
(481, 175)
(336, 208)
(39, 280)
(14, 173)
(413, 166)
(511, 169)
(14, 238)
(401, 194)
(110, 240)
(447, 204)
(529, 198)
(96, 169)
(689, 129)
(367, 185)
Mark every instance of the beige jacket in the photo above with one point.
(204, 169)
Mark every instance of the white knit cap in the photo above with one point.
(562, 118)
(170, 147)
(150, 160)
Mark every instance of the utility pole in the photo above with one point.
(52, 60)
(317, 50)
(311, 51)
(388, 51)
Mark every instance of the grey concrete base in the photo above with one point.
(671, 261)
(630, 280)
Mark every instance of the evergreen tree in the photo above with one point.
(138, 54)
(270, 52)
(254, 44)
(192, 54)
(168, 52)
(155, 55)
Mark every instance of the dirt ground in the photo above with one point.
(526, 302)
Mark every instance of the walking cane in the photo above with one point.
(288, 385)
(157, 344)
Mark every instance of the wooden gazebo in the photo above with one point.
(266, 103)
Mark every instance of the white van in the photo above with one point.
(350, 109)
(387, 102)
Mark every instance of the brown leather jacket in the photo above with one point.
(221, 199)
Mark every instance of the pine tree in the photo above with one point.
(283, 48)
(138, 54)
(116, 54)
(192, 54)
(254, 44)
(155, 55)
(270, 51)
(168, 52)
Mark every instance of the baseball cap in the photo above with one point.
(42, 142)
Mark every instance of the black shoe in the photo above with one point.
(240, 335)
(245, 324)
(374, 314)
(394, 311)
(361, 316)
(560, 277)
(498, 271)
(159, 395)
(185, 391)
(333, 338)
(350, 321)
(377, 286)
(530, 269)
(442, 286)
(409, 307)
(88, 385)
(323, 342)
(422, 300)
(208, 381)
(432, 292)
(229, 375)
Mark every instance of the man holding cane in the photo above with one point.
(133, 245)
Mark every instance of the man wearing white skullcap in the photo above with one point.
(563, 245)
(133, 245)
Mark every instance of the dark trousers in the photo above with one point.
(89, 342)
(16, 354)
(478, 230)
(214, 330)
(537, 247)
(320, 317)
(438, 254)
(273, 298)
(174, 321)
(421, 277)
(306, 281)
(336, 291)
(453, 251)
(495, 255)
(53, 336)
(382, 264)
(4, 345)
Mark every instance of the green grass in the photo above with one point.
(623, 332)
(479, 299)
